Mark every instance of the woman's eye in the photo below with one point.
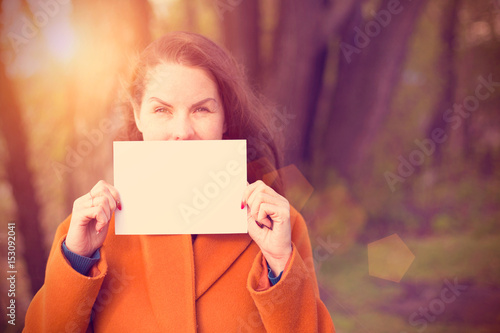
(202, 109)
(160, 110)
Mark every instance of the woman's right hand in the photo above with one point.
(89, 220)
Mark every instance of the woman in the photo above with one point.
(185, 87)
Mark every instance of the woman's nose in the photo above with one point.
(183, 128)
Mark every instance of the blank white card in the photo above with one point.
(180, 187)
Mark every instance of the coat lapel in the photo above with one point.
(213, 254)
(169, 268)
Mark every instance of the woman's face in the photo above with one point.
(180, 103)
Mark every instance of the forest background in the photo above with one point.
(388, 109)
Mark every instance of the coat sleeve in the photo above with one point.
(64, 303)
(293, 304)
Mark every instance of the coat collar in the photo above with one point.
(175, 267)
(186, 270)
(169, 269)
(213, 254)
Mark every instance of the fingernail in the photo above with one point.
(242, 205)
(98, 231)
(119, 205)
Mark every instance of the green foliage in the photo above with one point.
(358, 301)
(333, 212)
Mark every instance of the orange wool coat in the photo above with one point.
(167, 283)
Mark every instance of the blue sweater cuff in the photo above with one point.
(273, 279)
(80, 263)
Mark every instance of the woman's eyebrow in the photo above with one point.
(203, 101)
(156, 99)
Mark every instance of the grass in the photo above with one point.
(362, 303)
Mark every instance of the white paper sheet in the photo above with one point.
(180, 187)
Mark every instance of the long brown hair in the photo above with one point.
(247, 114)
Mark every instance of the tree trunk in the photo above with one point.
(191, 13)
(446, 67)
(296, 76)
(241, 35)
(20, 178)
(368, 72)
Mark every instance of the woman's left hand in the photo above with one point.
(268, 217)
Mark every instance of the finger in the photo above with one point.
(259, 198)
(266, 222)
(104, 187)
(101, 219)
(116, 196)
(91, 199)
(104, 203)
(98, 187)
(105, 191)
(243, 198)
(250, 189)
(110, 200)
(272, 216)
(254, 220)
(82, 202)
(246, 194)
(93, 213)
(264, 217)
(254, 227)
(263, 189)
(277, 214)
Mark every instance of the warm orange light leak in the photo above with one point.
(37, 35)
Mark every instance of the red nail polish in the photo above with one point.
(119, 205)
(242, 205)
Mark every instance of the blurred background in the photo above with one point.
(392, 138)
